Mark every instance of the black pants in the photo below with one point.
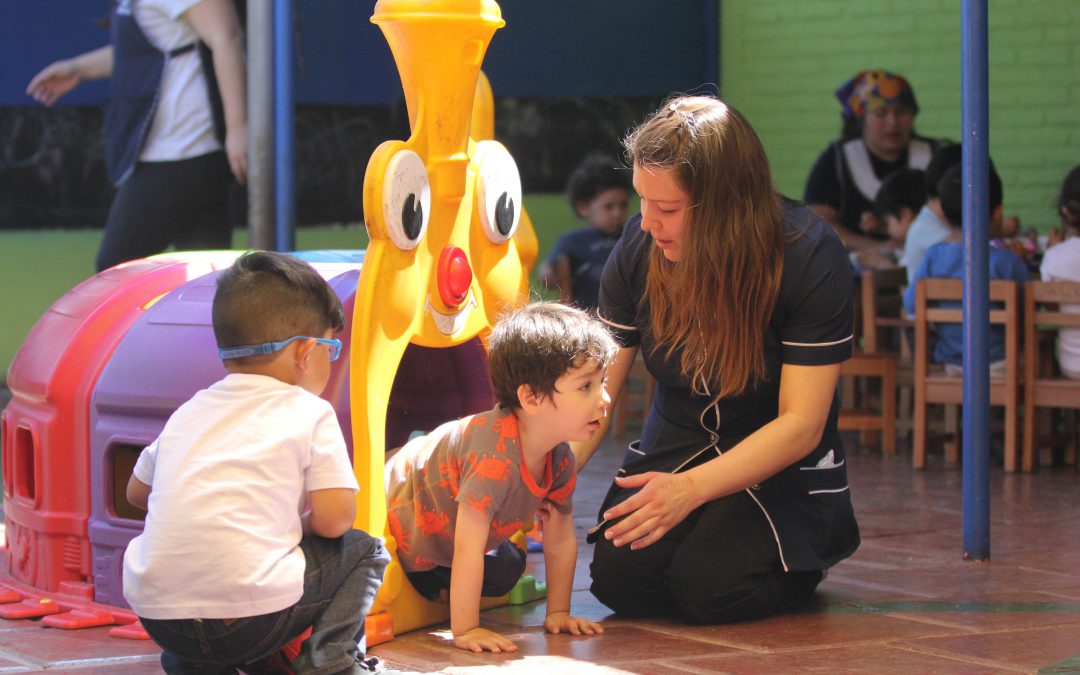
(719, 565)
(183, 203)
(503, 566)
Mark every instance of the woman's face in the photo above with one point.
(887, 130)
(664, 208)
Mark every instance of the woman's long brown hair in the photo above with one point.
(714, 305)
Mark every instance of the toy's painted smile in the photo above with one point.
(449, 324)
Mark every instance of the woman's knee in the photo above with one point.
(630, 583)
(700, 597)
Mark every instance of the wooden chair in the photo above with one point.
(1042, 389)
(933, 385)
(879, 310)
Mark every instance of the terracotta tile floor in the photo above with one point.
(906, 602)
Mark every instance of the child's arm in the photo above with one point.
(560, 557)
(332, 512)
(138, 493)
(470, 538)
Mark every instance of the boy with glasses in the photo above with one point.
(251, 495)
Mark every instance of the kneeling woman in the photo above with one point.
(736, 500)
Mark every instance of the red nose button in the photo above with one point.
(455, 276)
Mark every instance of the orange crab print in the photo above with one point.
(507, 427)
(504, 530)
(452, 471)
(562, 495)
(490, 468)
(401, 535)
(481, 505)
(422, 563)
(432, 523)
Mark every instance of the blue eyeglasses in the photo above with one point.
(271, 347)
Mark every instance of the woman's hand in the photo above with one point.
(236, 151)
(54, 81)
(664, 500)
(563, 622)
(481, 640)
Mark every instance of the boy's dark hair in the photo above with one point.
(267, 296)
(1069, 198)
(539, 343)
(904, 188)
(596, 173)
(945, 157)
(951, 193)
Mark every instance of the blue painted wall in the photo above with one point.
(548, 49)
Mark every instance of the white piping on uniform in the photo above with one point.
(819, 344)
(715, 405)
(772, 527)
(820, 492)
(616, 325)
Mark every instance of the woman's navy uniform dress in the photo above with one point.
(758, 550)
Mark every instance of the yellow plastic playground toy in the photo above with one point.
(451, 246)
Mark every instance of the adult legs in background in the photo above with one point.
(183, 203)
(721, 564)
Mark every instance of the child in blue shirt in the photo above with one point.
(945, 260)
(599, 193)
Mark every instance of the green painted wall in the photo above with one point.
(781, 60)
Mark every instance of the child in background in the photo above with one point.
(455, 496)
(901, 196)
(232, 565)
(599, 193)
(1061, 262)
(945, 260)
(930, 225)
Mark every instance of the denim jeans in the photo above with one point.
(341, 578)
(503, 566)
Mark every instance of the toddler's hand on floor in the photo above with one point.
(483, 640)
(562, 622)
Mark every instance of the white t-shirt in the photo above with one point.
(183, 125)
(230, 476)
(1062, 263)
(925, 231)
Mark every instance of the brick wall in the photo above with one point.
(782, 59)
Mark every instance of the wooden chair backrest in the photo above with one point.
(931, 291)
(1042, 310)
(882, 302)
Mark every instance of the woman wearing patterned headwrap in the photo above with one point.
(879, 110)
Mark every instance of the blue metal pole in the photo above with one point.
(285, 210)
(976, 427)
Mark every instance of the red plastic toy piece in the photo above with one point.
(29, 609)
(80, 618)
(131, 631)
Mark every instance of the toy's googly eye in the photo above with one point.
(406, 199)
(498, 192)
